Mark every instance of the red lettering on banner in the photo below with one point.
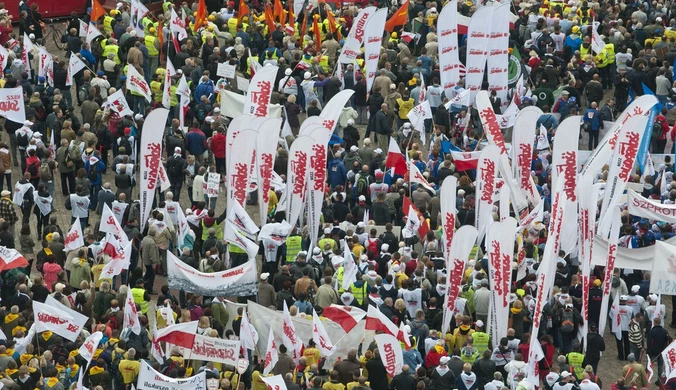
(449, 229)
(71, 237)
(2, 59)
(359, 28)
(628, 148)
(152, 158)
(350, 53)
(329, 124)
(318, 164)
(477, 34)
(454, 281)
(50, 319)
(476, 52)
(374, 40)
(568, 170)
(493, 128)
(524, 161)
(537, 313)
(238, 182)
(488, 174)
(141, 84)
(261, 98)
(268, 355)
(495, 259)
(265, 169)
(390, 359)
(178, 21)
(671, 355)
(290, 334)
(299, 168)
(11, 104)
(449, 49)
(235, 272)
(210, 349)
(612, 249)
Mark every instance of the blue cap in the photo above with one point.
(41, 79)
(123, 78)
(100, 73)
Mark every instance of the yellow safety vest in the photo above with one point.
(359, 293)
(322, 243)
(248, 63)
(232, 26)
(405, 106)
(361, 62)
(324, 63)
(137, 293)
(394, 40)
(108, 49)
(157, 90)
(108, 24)
(584, 51)
(600, 59)
(480, 341)
(293, 246)
(610, 53)
(150, 45)
(575, 359)
(174, 97)
(339, 276)
(217, 228)
(146, 23)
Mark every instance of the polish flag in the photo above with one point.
(376, 320)
(417, 177)
(395, 159)
(157, 351)
(424, 223)
(346, 316)
(11, 258)
(181, 334)
(465, 161)
(407, 37)
(320, 336)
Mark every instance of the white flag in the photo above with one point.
(118, 103)
(84, 27)
(27, 48)
(89, 346)
(417, 177)
(320, 336)
(239, 218)
(136, 83)
(247, 333)
(168, 74)
(92, 33)
(390, 353)
(157, 351)
(616, 319)
(289, 338)
(43, 58)
(11, 104)
(119, 263)
(235, 237)
(75, 65)
(669, 357)
(178, 26)
(271, 354)
(412, 224)
(597, 44)
(74, 239)
(138, 11)
(58, 318)
(543, 141)
(130, 314)
(417, 117)
(110, 224)
(274, 382)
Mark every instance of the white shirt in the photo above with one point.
(79, 206)
(589, 385)
(22, 131)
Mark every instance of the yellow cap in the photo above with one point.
(394, 35)
(212, 17)
(113, 12)
(152, 30)
(576, 29)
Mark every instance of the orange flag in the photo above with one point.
(399, 18)
(160, 36)
(279, 12)
(333, 26)
(200, 16)
(292, 17)
(269, 18)
(97, 11)
(243, 10)
(318, 37)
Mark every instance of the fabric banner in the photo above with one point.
(110, 224)
(241, 220)
(500, 248)
(276, 233)
(647, 208)
(12, 105)
(75, 65)
(149, 379)
(320, 336)
(290, 338)
(416, 177)
(136, 83)
(498, 53)
(609, 266)
(390, 353)
(84, 27)
(669, 357)
(240, 167)
(260, 91)
(138, 11)
(296, 183)
(449, 61)
(266, 150)
(487, 174)
(478, 33)
(522, 151)
(212, 349)
(334, 107)
(274, 382)
(119, 263)
(11, 258)
(92, 33)
(131, 320)
(151, 150)
(169, 72)
(495, 137)
(239, 281)
(4, 57)
(449, 212)
(233, 236)
(54, 316)
(177, 26)
(588, 201)
(463, 241)
(118, 103)
(232, 105)
(237, 124)
(663, 275)
(564, 161)
(316, 179)
(600, 156)
(74, 238)
(271, 353)
(632, 258)
(373, 40)
(621, 167)
(355, 38)
(43, 58)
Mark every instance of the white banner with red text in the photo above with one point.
(500, 248)
(522, 151)
(260, 91)
(352, 46)
(498, 53)
(647, 208)
(564, 167)
(449, 61)
(212, 349)
(663, 275)
(149, 379)
(463, 241)
(238, 281)
(390, 353)
(373, 41)
(151, 150)
(478, 33)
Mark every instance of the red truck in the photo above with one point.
(63, 8)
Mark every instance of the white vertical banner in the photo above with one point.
(242, 164)
(621, 167)
(587, 194)
(320, 336)
(449, 61)
(355, 38)
(169, 72)
(463, 241)
(486, 179)
(495, 137)
(151, 150)
(564, 161)
(334, 107)
(27, 48)
(478, 34)
(448, 195)
(266, 150)
(500, 248)
(177, 26)
(271, 353)
(610, 265)
(373, 42)
(390, 353)
(316, 179)
(43, 58)
(522, 151)
(498, 53)
(138, 11)
(257, 102)
(296, 181)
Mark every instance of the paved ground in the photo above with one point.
(609, 369)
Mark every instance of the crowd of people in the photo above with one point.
(74, 142)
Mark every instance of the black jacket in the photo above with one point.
(658, 339)
(403, 381)
(382, 123)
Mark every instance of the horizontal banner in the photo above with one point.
(211, 349)
(648, 208)
(239, 281)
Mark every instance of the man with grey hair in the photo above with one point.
(496, 383)
(288, 381)
(129, 367)
(105, 196)
(150, 255)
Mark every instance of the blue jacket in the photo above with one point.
(100, 167)
(593, 117)
(195, 142)
(88, 56)
(204, 89)
(412, 357)
(573, 43)
(337, 173)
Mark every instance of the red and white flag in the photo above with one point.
(274, 382)
(271, 354)
(465, 161)
(356, 36)
(110, 224)
(289, 338)
(320, 336)
(390, 353)
(423, 90)
(74, 238)
(376, 320)
(43, 58)
(448, 212)
(296, 183)
(417, 177)
(118, 103)
(266, 150)
(177, 26)
(157, 351)
(11, 104)
(395, 159)
(89, 346)
(564, 167)
(11, 258)
(412, 224)
(136, 83)
(170, 72)
(84, 27)
(181, 334)
(120, 262)
(463, 241)
(498, 54)
(407, 37)
(258, 96)
(4, 56)
(424, 223)
(75, 65)
(151, 150)
(138, 11)
(597, 44)
(57, 318)
(130, 314)
(616, 318)
(669, 357)
(418, 115)
(346, 316)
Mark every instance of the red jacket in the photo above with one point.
(217, 145)
(30, 161)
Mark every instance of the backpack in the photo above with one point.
(22, 139)
(126, 144)
(201, 112)
(45, 172)
(92, 173)
(567, 321)
(175, 166)
(40, 113)
(83, 92)
(657, 129)
(372, 247)
(97, 47)
(74, 152)
(390, 239)
(362, 185)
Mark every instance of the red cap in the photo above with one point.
(127, 130)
